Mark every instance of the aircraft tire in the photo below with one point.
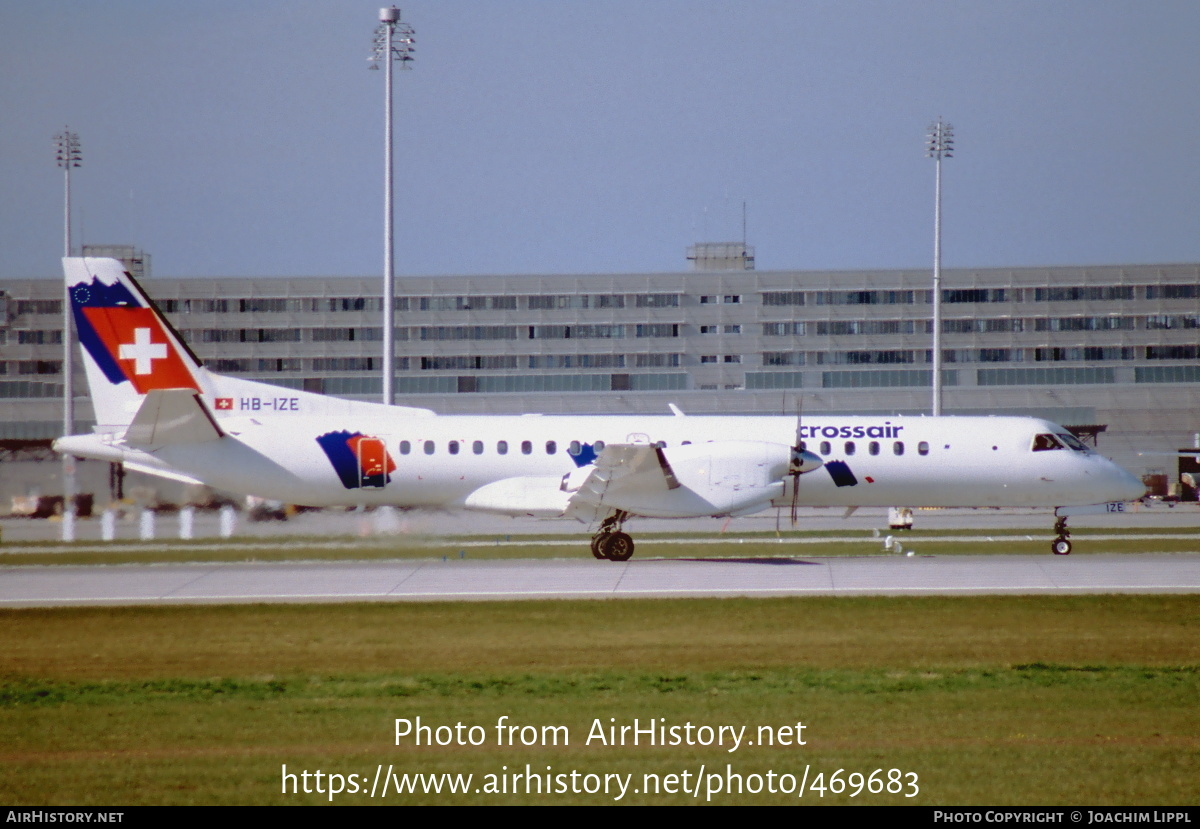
(1061, 547)
(617, 547)
(597, 542)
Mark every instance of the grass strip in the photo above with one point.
(649, 545)
(989, 700)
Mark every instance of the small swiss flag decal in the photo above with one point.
(224, 404)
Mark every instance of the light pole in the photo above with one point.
(939, 144)
(68, 155)
(393, 43)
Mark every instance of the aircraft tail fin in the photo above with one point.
(129, 348)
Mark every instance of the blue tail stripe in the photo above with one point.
(99, 295)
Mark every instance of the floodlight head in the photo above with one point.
(939, 142)
(68, 153)
(392, 36)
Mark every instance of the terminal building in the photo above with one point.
(1111, 350)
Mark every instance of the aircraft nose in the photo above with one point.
(1128, 487)
(1133, 487)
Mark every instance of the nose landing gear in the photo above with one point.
(1061, 546)
(609, 542)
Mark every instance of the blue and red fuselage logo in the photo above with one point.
(360, 461)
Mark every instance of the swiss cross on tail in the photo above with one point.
(127, 339)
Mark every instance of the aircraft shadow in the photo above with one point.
(779, 562)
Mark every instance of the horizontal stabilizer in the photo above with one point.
(171, 416)
(166, 474)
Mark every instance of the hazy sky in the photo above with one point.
(236, 137)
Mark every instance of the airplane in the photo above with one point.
(161, 412)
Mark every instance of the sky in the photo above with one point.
(236, 138)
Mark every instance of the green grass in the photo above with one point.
(658, 545)
(989, 700)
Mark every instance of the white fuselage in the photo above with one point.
(440, 461)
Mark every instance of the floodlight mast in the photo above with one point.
(393, 43)
(67, 156)
(939, 144)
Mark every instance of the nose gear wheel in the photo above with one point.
(1061, 546)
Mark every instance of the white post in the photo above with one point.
(227, 521)
(388, 48)
(940, 145)
(937, 290)
(147, 525)
(108, 525)
(68, 156)
(186, 517)
(389, 274)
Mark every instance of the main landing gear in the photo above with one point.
(1061, 546)
(609, 542)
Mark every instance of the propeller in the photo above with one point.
(800, 461)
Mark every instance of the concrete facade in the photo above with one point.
(1112, 345)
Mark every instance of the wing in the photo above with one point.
(621, 472)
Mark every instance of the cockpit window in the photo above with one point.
(1044, 443)
(1072, 441)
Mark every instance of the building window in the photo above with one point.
(783, 298)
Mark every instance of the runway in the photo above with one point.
(465, 580)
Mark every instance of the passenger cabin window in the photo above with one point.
(598, 446)
(849, 447)
(453, 447)
(429, 447)
(477, 447)
(898, 448)
(526, 447)
(923, 448)
(502, 447)
(873, 447)
(1045, 443)
(825, 447)
(405, 447)
(575, 448)
(551, 447)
